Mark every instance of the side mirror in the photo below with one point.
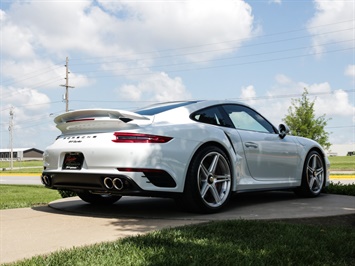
(283, 130)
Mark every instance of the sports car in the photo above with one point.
(197, 152)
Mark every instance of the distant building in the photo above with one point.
(342, 149)
(24, 154)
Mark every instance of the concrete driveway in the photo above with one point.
(70, 222)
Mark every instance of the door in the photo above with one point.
(267, 155)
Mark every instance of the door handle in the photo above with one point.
(251, 145)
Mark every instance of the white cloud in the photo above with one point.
(15, 40)
(158, 25)
(282, 79)
(128, 38)
(350, 71)
(32, 73)
(156, 87)
(60, 26)
(275, 1)
(129, 27)
(334, 103)
(325, 26)
(134, 41)
(248, 94)
(30, 108)
(29, 98)
(38, 74)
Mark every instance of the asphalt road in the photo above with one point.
(21, 179)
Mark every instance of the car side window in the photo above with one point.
(247, 119)
(210, 115)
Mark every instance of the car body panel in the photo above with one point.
(271, 158)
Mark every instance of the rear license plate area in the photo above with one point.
(73, 161)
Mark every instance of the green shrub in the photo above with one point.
(66, 193)
(341, 189)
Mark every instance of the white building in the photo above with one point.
(341, 149)
(21, 154)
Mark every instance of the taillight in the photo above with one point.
(122, 137)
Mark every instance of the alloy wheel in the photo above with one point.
(214, 179)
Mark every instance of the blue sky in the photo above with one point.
(127, 54)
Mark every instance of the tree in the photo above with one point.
(302, 121)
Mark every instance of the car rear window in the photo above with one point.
(161, 107)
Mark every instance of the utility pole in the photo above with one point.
(11, 126)
(66, 96)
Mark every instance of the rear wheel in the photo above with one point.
(208, 181)
(98, 199)
(312, 176)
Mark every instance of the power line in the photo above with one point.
(219, 66)
(266, 97)
(31, 104)
(216, 43)
(282, 96)
(233, 57)
(30, 75)
(208, 51)
(35, 86)
(35, 75)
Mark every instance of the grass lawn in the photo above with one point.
(235, 242)
(342, 163)
(22, 166)
(6, 164)
(21, 196)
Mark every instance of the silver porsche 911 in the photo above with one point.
(197, 152)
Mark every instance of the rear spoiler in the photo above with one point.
(96, 120)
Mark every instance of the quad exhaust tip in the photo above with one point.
(108, 182)
(115, 183)
(118, 184)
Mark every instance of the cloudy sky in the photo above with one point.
(128, 54)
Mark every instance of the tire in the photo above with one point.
(98, 199)
(208, 181)
(313, 176)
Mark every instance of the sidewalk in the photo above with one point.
(70, 222)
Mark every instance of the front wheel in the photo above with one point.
(313, 176)
(98, 199)
(208, 181)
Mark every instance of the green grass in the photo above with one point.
(24, 166)
(235, 242)
(21, 196)
(342, 163)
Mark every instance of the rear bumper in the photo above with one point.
(116, 184)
